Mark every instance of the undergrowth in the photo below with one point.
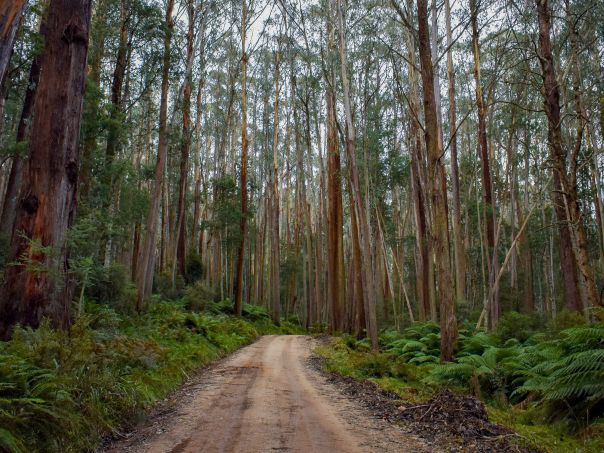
(546, 383)
(66, 391)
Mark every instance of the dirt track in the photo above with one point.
(265, 399)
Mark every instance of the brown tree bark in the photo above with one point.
(440, 236)
(39, 284)
(144, 278)
(113, 133)
(95, 59)
(195, 242)
(335, 217)
(528, 289)
(180, 242)
(275, 262)
(114, 129)
(487, 186)
(459, 252)
(368, 277)
(244, 152)
(424, 287)
(335, 244)
(567, 208)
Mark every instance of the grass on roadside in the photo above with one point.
(66, 391)
(346, 356)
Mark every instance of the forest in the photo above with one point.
(414, 184)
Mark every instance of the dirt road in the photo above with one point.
(265, 398)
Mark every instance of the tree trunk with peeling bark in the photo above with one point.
(367, 277)
(40, 283)
(568, 213)
(335, 217)
(493, 308)
(180, 241)
(244, 152)
(440, 232)
(458, 248)
(144, 278)
(275, 261)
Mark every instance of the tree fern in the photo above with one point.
(568, 372)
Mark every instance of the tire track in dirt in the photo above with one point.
(265, 398)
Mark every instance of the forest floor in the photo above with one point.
(266, 397)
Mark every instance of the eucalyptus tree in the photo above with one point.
(38, 283)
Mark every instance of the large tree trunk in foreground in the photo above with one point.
(144, 278)
(448, 321)
(39, 284)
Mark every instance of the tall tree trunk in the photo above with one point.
(275, 262)
(448, 321)
(195, 245)
(144, 278)
(493, 310)
(114, 131)
(424, 267)
(113, 134)
(360, 321)
(335, 219)
(565, 196)
(459, 252)
(335, 244)
(368, 277)
(40, 284)
(528, 290)
(244, 152)
(91, 106)
(181, 211)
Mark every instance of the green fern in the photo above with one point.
(568, 373)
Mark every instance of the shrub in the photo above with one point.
(108, 284)
(198, 296)
(565, 320)
(166, 289)
(248, 311)
(375, 365)
(194, 268)
(516, 325)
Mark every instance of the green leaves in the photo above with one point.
(560, 372)
(569, 371)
